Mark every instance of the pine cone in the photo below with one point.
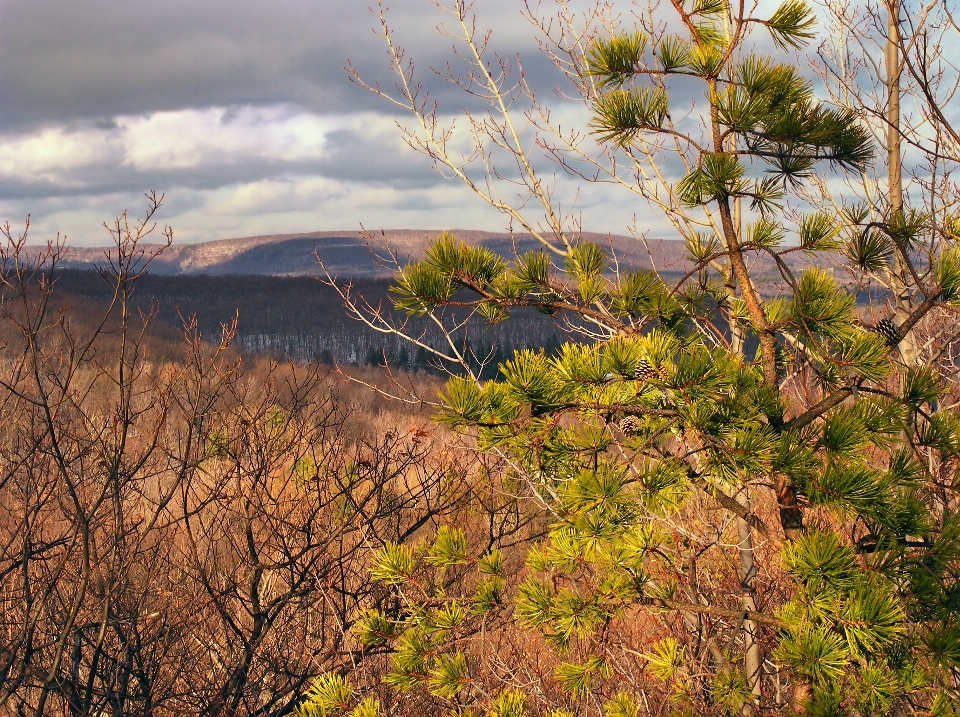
(645, 372)
(888, 330)
(629, 424)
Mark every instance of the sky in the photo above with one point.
(240, 112)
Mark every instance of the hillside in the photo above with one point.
(348, 253)
(300, 318)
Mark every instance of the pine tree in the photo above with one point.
(818, 447)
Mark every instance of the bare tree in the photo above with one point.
(191, 535)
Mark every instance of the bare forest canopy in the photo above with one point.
(185, 532)
(301, 318)
(270, 285)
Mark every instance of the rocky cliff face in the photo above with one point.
(355, 254)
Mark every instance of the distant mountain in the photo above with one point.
(351, 253)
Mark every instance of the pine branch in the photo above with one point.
(821, 407)
(738, 615)
(735, 507)
(840, 395)
(904, 253)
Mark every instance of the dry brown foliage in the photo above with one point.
(182, 530)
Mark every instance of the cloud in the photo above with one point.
(188, 139)
(274, 196)
(64, 59)
(240, 171)
(207, 148)
(241, 112)
(54, 153)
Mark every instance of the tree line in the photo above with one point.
(302, 319)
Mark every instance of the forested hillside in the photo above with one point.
(355, 253)
(302, 318)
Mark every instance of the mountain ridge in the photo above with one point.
(356, 253)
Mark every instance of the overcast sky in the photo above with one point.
(239, 110)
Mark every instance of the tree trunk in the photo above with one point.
(753, 658)
(900, 277)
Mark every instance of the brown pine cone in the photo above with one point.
(629, 424)
(888, 330)
(645, 371)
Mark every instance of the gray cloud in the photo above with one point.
(350, 155)
(353, 161)
(79, 65)
(254, 90)
(63, 59)
(108, 179)
(72, 59)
